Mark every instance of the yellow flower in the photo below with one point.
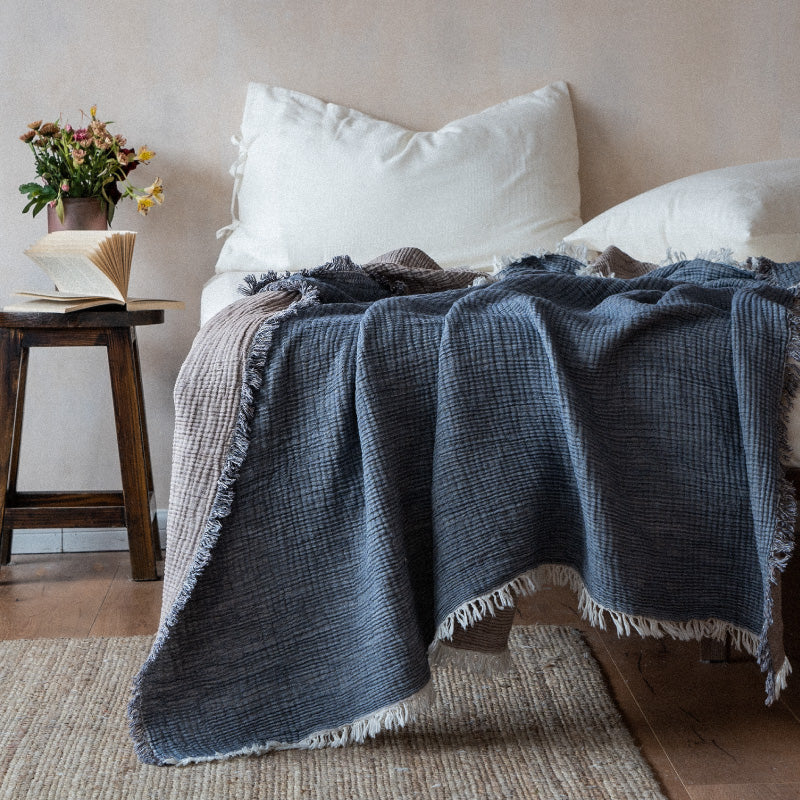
(63, 153)
(144, 204)
(156, 191)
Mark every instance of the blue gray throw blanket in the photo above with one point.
(405, 464)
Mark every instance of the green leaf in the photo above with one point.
(27, 188)
(36, 191)
(37, 204)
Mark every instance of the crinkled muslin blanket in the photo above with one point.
(371, 462)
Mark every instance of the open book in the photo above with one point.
(89, 269)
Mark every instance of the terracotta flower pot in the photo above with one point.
(80, 213)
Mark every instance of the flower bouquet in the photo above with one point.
(85, 162)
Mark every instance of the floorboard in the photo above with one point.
(54, 595)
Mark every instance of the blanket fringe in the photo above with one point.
(782, 677)
(598, 615)
(223, 502)
(577, 252)
(390, 718)
(595, 613)
(783, 540)
(723, 255)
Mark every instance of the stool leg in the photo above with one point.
(13, 367)
(133, 464)
(23, 376)
(145, 442)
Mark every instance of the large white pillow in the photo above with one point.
(315, 180)
(753, 210)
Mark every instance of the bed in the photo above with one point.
(377, 450)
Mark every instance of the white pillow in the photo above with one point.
(753, 210)
(315, 180)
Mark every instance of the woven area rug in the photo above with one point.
(546, 729)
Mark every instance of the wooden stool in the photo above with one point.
(133, 507)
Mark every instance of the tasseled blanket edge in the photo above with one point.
(389, 718)
(223, 502)
(786, 513)
(397, 715)
(598, 615)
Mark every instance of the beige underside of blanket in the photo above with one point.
(207, 396)
(207, 400)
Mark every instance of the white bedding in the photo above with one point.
(220, 291)
(315, 179)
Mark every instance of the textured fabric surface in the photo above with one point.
(546, 729)
(367, 502)
(496, 183)
(208, 397)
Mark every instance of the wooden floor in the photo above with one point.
(703, 727)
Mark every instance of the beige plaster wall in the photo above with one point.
(661, 89)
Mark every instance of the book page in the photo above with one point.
(60, 297)
(87, 263)
(74, 273)
(114, 255)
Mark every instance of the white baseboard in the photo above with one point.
(77, 540)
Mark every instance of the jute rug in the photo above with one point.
(546, 729)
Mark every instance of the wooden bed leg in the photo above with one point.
(715, 650)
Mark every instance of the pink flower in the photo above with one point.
(91, 157)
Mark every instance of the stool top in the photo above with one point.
(115, 318)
